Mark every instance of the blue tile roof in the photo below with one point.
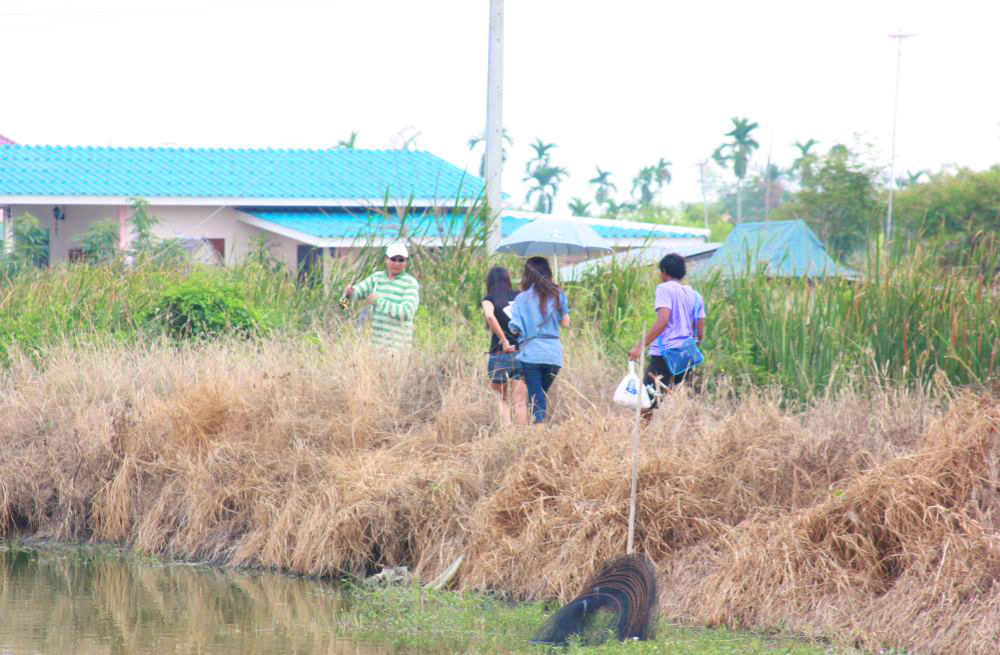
(338, 224)
(243, 173)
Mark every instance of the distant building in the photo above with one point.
(694, 252)
(305, 203)
(775, 248)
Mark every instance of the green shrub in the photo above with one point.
(99, 243)
(204, 307)
(30, 248)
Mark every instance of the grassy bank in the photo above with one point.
(867, 518)
(411, 618)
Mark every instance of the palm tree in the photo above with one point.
(773, 190)
(604, 186)
(738, 151)
(911, 178)
(541, 157)
(348, 143)
(546, 180)
(476, 140)
(578, 207)
(663, 175)
(544, 175)
(645, 181)
(613, 208)
(803, 163)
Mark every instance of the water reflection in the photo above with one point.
(85, 600)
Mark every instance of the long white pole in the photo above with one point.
(494, 123)
(899, 36)
(704, 198)
(630, 543)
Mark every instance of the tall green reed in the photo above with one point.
(906, 320)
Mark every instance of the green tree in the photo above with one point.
(840, 200)
(349, 142)
(737, 152)
(542, 155)
(145, 246)
(31, 244)
(615, 210)
(663, 175)
(99, 243)
(544, 176)
(545, 180)
(802, 166)
(649, 183)
(142, 223)
(645, 183)
(604, 186)
(578, 207)
(762, 194)
(952, 206)
(909, 179)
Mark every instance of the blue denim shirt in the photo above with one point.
(538, 332)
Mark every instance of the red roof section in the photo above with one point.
(4, 141)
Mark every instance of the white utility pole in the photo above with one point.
(767, 186)
(899, 36)
(494, 123)
(704, 200)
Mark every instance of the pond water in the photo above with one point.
(96, 600)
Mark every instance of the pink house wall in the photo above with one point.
(175, 221)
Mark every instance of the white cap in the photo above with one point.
(397, 250)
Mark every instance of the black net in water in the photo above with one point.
(621, 600)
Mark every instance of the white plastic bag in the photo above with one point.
(630, 388)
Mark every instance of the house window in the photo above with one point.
(219, 246)
(310, 264)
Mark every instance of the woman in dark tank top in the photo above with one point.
(502, 367)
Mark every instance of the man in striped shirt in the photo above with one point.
(394, 296)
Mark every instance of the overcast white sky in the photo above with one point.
(616, 84)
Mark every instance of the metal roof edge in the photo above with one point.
(233, 201)
(612, 222)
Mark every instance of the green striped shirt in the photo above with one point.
(392, 315)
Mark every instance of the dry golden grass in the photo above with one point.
(867, 518)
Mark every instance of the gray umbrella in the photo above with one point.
(554, 237)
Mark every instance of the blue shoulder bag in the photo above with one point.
(683, 358)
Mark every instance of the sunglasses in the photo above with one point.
(397, 259)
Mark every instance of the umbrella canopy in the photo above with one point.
(554, 237)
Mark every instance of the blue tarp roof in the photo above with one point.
(220, 172)
(338, 224)
(781, 248)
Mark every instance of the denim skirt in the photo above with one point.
(502, 367)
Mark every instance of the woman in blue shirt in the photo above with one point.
(538, 313)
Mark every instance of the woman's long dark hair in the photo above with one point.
(499, 286)
(538, 275)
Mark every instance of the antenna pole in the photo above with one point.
(494, 124)
(899, 36)
(704, 199)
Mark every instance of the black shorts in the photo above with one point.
(657, 369)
